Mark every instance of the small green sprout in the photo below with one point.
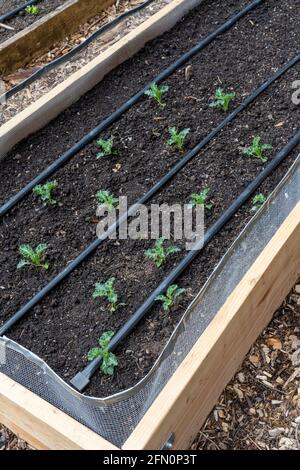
(109, 360)
(159, 253)
(32, 10)
(157, 93)
(222, 100)
(198, 199)
(172, 293)
(258, 201)
(177, 138)
(257, 149)
(106, 199)
(107, 147)
(107, 291)
(45, 192)
(35, 257)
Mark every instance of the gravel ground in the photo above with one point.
(260, 407)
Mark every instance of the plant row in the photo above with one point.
(159, 253)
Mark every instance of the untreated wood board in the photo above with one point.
(63, 95)
(42, 425)
(193, 390)
(39, 37)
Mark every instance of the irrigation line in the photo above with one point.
(12, 13)
(115, 116)
(82, 379)
(75, 50)
(144, 199)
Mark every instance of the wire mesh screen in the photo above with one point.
(115, 417)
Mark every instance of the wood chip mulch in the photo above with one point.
(260, 407)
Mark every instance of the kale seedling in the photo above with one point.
(222, 100)
(177, 138)
(159, 253)
(198, 199)
(109, 360)
(157, 93)
(45, 192)
(106, 199)
(257, 149)
(107, 147)
(258, 201)
(35, 257)
(107, 291)
(32, 10)
(172, 293)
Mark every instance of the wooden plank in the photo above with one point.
(62, 96)
(41, 424)
(40, 36)
(193, 390)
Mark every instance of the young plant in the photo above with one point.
(106, 199)
(159, 253)
(169, 298)
(109, 360)
(258, 201)
(177, 138)
(107, 291)
(222, 100)
(35, 257)
(157, 93)
(107, 147)
(44, 191)
(257, 149)
(32, 10)
(199, 199)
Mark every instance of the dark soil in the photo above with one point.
(68, 322)
(23, 19)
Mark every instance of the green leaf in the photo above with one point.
(177, 138)
(157, 92)
(93, 353)
(22, 263)
(222, 99)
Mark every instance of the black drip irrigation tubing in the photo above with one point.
(12, 13)
(66, 57)
(82, 379)
(144, 199)
(114, 117)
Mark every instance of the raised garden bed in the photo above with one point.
(36, 36)
(67, 323)
(92, 37)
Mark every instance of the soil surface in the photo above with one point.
(63, 327)
(23, 19)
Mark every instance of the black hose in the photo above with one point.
(145, 198)
(66, 57)
(63, 159)
(81, 380)
(12, 13)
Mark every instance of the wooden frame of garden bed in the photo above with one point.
(40, 36)
(46, 108)
(183, 405)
